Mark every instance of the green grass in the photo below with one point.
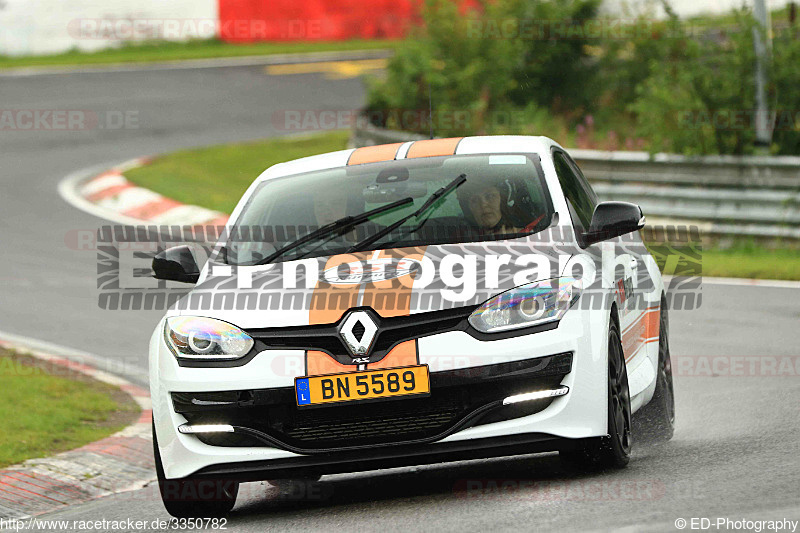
(43, 413)
(752, 262)
(217, 176)
(741, 260)
(155, 51)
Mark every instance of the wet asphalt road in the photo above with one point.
(49, 288)
(736, 451)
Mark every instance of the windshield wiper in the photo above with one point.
(336, 225)
(447, 189)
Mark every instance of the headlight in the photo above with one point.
(192, 337)
(527, 305)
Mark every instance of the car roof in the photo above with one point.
(412, 149)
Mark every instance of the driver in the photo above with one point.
(483, 205)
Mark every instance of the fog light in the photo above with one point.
(205, 428)
(536, 395)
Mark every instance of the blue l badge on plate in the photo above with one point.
(301, 389)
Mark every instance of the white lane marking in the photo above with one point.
(103, 182)
(68, 190)
(777, 283)
(75, 186)
(746, 282)
(103, 366)
(129, 199)
(131, 163)
(71, 467)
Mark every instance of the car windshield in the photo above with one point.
(504, 196)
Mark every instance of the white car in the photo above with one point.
(405, 304)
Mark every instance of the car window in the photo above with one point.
(580, 197)
(581, 178)
(504, 196)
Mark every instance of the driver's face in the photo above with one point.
(485, 207)
(330, 206)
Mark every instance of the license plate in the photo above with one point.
(365, 385)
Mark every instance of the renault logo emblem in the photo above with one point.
(358, 332)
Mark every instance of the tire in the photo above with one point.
(614, 450)
(193, 498)
(655, 422)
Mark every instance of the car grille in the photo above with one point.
(391, 332)
(458, 399)
(378, 425)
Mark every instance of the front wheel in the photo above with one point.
(655, 422)
(613, 450)
(193, 498)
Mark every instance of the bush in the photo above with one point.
(786, 86)
(699, 98)
(483, 74)
(531, 66)
(556, 71)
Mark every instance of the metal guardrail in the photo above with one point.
(753, 196)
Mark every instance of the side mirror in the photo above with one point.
(176, 264)
(612, 219)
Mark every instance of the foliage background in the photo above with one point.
(560, 67)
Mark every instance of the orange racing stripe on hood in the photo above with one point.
(433, 147)
(373, 154)
(331, 300)
(392, 297)
(388, 298)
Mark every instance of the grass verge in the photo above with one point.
(743, 259)
(216, 176)
(752, 262)
(149, 52)
(47, 409)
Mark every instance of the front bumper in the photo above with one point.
(459, 399)
(576, 415)
(299, 467)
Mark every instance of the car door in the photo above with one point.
(581, 202)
